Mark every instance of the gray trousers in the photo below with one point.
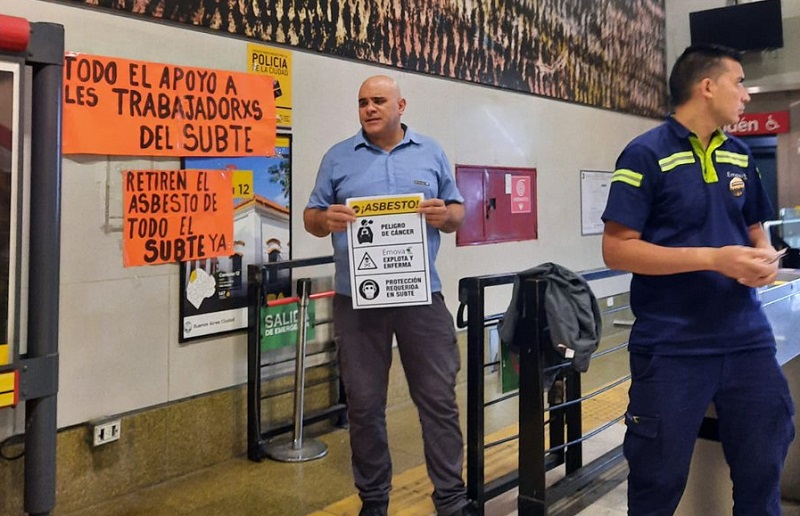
(426, 341)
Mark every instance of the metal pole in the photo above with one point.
(296, 450)
(303, 286)
(47, 47)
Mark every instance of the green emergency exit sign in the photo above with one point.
(279, 325)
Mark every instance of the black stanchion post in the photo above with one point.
(555, 397)
(531, 500)
(574, 453)
(254, 303)
(471, 295)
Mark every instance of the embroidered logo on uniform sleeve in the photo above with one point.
(736, 186)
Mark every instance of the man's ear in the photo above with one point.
(401, 105)
(707, 87)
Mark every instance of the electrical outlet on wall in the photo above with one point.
(104, 432)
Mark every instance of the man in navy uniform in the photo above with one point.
(684, 215)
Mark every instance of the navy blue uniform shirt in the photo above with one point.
(677, 194)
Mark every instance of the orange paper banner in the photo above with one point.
(134, 108)
(176, 215)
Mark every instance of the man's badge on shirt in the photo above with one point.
(736, 186)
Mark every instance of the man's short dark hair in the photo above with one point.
(695, 64)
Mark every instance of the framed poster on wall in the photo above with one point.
(213, 292)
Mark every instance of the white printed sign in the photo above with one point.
(594, 195)
(388, 252)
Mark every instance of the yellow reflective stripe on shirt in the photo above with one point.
(627, 176)
(734, 158)
(675, 160)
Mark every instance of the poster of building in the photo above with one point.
(213, 298)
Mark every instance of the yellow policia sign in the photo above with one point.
(277, 63)
(374, 207)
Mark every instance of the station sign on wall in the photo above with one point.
(755, 124)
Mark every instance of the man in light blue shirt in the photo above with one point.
(388, 158)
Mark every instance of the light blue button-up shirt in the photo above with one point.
(357, 168)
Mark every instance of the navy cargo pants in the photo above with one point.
(669, 396)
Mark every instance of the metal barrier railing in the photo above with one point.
(564, 409)
(258, 438)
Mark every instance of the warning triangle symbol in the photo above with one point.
(366, 263)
